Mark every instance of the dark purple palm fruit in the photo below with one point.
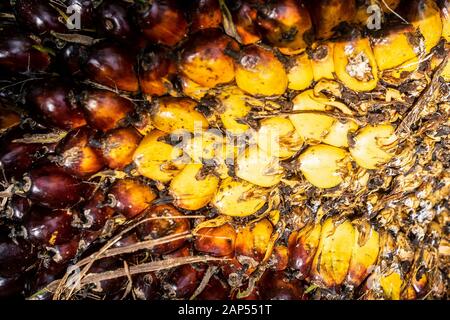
(40, 16)
(50, 186)
(113, 66)
(47, 227)
(20, 53)
(16, 255)
(55, 101)
(114, 20)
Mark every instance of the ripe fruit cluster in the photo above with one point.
(216, 149)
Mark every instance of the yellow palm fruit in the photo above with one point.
(310, 126)
(193, 188)
(366, 246)
(258, 167)
(278, 137)
(391, 283)
(234, 106)
(445, 17)
(259, 72)
(394, 48)
(338, 133)
(322, 165)
(322, 61)
(355, 65)
(156, 159)
(253, 240)
(425, 16)
(332, 260)
(239, 198)
(300, 75)
(192, 89)
(371, 145)
(173, 114)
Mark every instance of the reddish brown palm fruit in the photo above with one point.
(280, 257)
(15, 256)
(56, 102)
(327, 15)
(244, 18)
(216, 241)
(38, 16)
(131, 197)
(259, 72)
(105, 110)
(157, 68)
(96, 211)
(114, 20)
(76, 155)
(302, 248)
(184, 280)
(216, 289)
(21, 53)
(277, 286)
(16, 158)
(54, 188)
(165, 226)
(112, 66)
(49, 227)
(285, 24)
(253, 240)
(206, 59)
(117, 146)
(161, 21)
(205, 14)
(146, 286)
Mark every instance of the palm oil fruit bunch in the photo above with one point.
(241, 149)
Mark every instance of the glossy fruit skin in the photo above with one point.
(276, 286)
(17, 158)
(15, 257)
(114, 20)
(131, 197)
(158, 228)
(20, 207)
(157, 68)
(117, 147)
(51, 187)
(17, 54)
(218, 241)
(184, 280)
(38, 16)
(162, 21)
(205, 14)
(49, 227)
(105, 110)
(112, 66)
(204, 58)
(96, 211)
(71, 59)
(55, 102)
(76, 155)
